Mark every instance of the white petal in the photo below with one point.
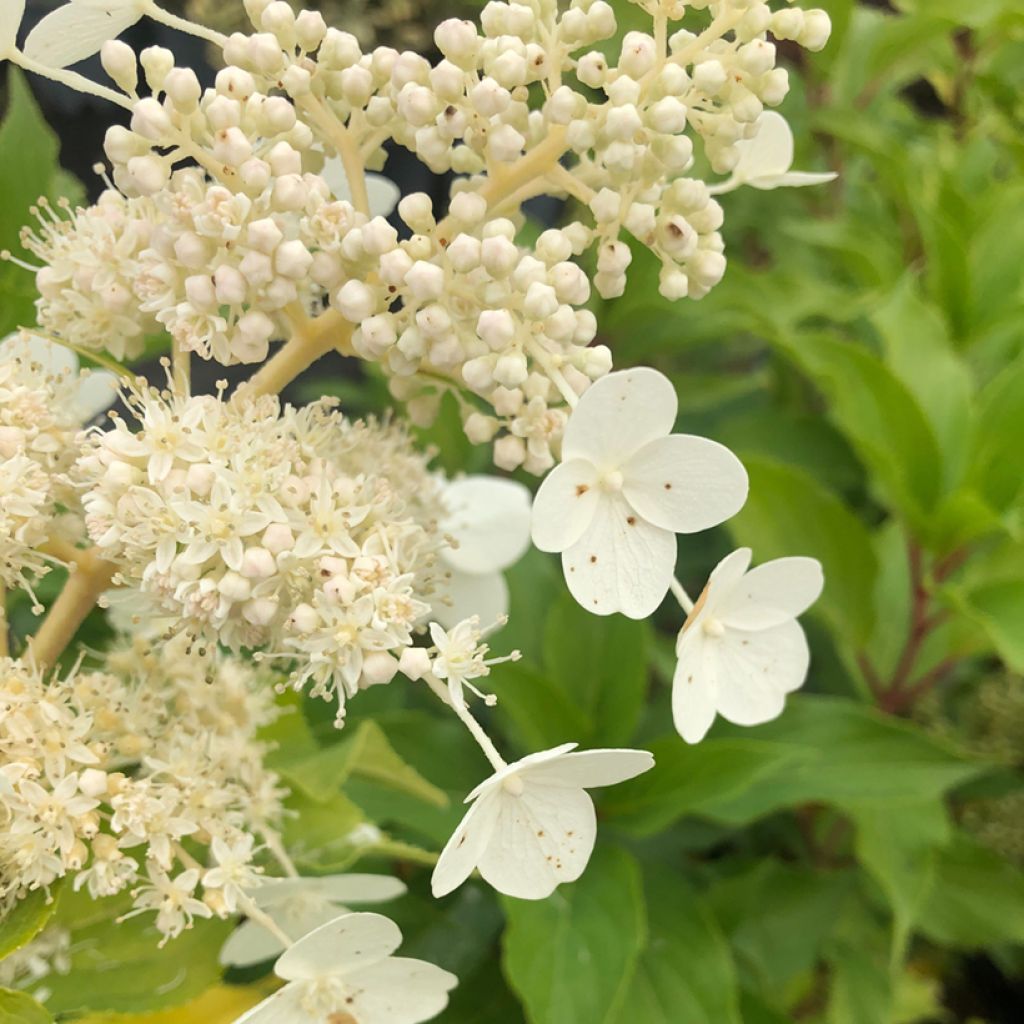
(11, 13)
(792, 179)
(463, 851)
(773, 593)
(78, 30)
(382, 192)
(622, 563)
(565, 505)
(541, 838)
(694, 685)
(347, 942)
(721, 583)
(757, 670)
(250, 943)
(590, 768)
(518, 767)
(469, 594)
(685, 483)
(96, 392)
(283, 1007)
(769, 152)
(348, 888)
(619, 414)
(490, 519)
(398, 990)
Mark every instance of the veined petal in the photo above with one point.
(348, 942)
(685, 483)
(11, 13)
(349, 888)
(565, 505)
(774, 593)
(484, 594)
(490, 519)
(54, 360)
(590, 768)
(769, 152)
(721, 584)
(250, 943)
(757, 670)
(463, 851)
(398, 990)
(542, 837)
(96, 393)
(382, 192)
(695, 685)
(78, 30)
(618, 415)
(622, 563)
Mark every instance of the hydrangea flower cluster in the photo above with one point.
(104, 775)
(245, 214)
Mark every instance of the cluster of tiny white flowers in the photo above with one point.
(524, 105)
(39, 426)
(294, 532)
(103, 775)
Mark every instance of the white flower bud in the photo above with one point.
(339, 50)
(356, 85)
(638, 55)
(673, 284)
(468, 208)
(624, 90)
(425, 281)
(232, 147)
(496, 327)
(774, 87)
(257, 564)
(505, 143)
(222, 112)
(668, 115)
(601, 20)
(709, 76)
(478, 373)
(157, 62)
(355, 300)
(757, 57)
(278, 538)
(417, 211)
(150, 120)
(414, 663)
(297, 81)
(463, 253)
(303, 619)
(540, 302)
(278, 115)
(787, 23)
(480, 429)
(150, 173)
(816, 31)
(379, 668)
(511, 370)
(289, 194)
(708, 268)
(293, 260)
(200, 292)
(592, 69)
(183, 89)
(191, 250)
(490, 98)
(200, 478)
(93, 782)
(379, 237)
(310, 30)
(254, 331)
(509, 452)
(118, 60)
(571, 284)
(598, 361)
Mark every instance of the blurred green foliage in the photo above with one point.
(865, 357)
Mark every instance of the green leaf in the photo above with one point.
(879, 417)
(28, 169)
(571, 957)
(366, 754)
(778, 918)
(18, 1008)
(789, 513)
(977, 899)
(998, 608)
(921, 353)
(693, 780)
(997, 456)
(898, 844)
(849, 755)
(600, 664)
(534, 709)
(26, 920)
(147, 977)
(686, 972)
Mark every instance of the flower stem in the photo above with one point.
(248, 906)
(681, 595)
(345, 145)
(311, 340)
(474, 727)
(276, 847)
(183, 24)
(88, 577)
(73, 80)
